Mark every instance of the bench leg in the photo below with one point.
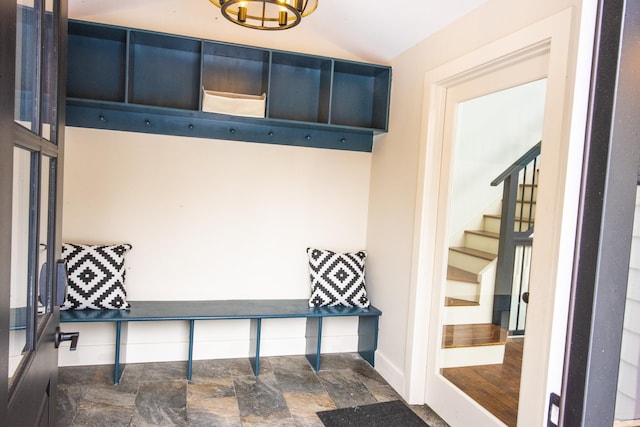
(192, 324)
(254, 346)
(313, 337)
(368, 337)
(121, 334)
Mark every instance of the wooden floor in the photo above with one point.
(495, 387)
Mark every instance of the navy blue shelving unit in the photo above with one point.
(142, 81)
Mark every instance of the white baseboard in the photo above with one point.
(390, 372)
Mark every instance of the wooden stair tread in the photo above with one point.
(484, 233)
(460, 275)
(458, 302)
(474, 252)
(474, 335)
(496, 216)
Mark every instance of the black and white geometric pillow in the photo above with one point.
(95, 276)
(337, 279)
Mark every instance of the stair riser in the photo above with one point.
(527, 192)
(482, 243)
(527, 210)
(492, 224)
(467, 262)
(522, 226)
(467, 315)
(462, 290)
(472, 356)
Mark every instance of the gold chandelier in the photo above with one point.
(266, 14)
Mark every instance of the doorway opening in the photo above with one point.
(531, 54)
(494, 169)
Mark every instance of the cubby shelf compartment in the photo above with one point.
(360, 95)
(164, 71)
(127, 74)
(236, 69)
(97, 63)
(300, 87)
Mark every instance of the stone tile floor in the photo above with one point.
(222, 393)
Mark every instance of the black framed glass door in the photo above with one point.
(33, 40)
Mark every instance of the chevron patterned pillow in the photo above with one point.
(337, 279)
(95, 276)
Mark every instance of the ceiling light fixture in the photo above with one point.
(266, 14)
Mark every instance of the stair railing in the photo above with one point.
(516, 230)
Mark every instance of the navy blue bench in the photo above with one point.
(253, 310)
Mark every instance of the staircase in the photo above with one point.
(470, 333)
(469, 337)
(470, 276)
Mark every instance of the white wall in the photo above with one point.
(395, 171)
(210, 219)
(492, 132)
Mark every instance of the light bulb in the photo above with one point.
(242, 13)
(282, 18)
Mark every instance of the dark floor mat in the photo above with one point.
(385, 414)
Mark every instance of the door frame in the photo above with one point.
(527, 66)
(603, 249)
(7, 94)
(562, 153)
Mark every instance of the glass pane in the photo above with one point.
(26, 65)
(628, 396)
(44, 278)
(490, 233)
(19, 258)
(49, 74)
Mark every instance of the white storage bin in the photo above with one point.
(236, 104)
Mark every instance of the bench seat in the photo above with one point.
(253, 310)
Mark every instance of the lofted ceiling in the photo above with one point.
(365, 30)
